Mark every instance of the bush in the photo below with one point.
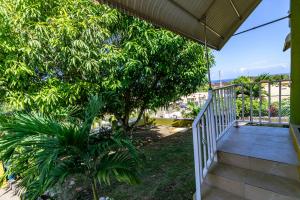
(247, 110)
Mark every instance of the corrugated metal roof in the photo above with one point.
(188, 17)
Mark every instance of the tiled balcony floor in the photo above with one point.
(269, 143)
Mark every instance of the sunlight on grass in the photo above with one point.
(168, 173)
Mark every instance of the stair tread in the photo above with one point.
(265, 166)
(213, 193)
(277, 184)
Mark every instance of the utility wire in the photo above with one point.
(262, 25)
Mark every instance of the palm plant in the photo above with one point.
(192, 110)
(44, 152)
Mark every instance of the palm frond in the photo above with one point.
(44, 152)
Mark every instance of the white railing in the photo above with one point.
(262, 102)
(215, 118)
(266, 102)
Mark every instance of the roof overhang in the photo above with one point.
(189, 17)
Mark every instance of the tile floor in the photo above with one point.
(269, 143)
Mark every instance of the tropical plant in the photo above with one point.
(45, 152)
(57, 53)
(191, 111)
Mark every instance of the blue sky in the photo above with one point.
(258, 51)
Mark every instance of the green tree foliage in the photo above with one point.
(255, 106)
(45, 152)
(286, 110)
(50, 52)
(57, 53)
(247, 83)
(280, 77)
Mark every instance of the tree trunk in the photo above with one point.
(125, 122)
(138, 118)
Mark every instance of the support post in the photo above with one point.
(295, 62)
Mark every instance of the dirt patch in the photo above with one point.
(146, 135)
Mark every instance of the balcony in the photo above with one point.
(242, 146)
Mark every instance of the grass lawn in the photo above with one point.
(168, 172)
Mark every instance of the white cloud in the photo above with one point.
(253, 69)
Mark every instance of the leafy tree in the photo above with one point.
(159, 68)
(247, 83)
(280, 77)
(51, 52)
(45, 152)
(57, 53)
(254, 82)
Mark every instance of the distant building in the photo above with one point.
(198, 98)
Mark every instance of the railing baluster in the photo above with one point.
(243, 103)
(214, 136)
(279, 111)
(231, 104)
(251, 104)
(215, 116)
(220, 111)
(234, 105)
(228, 106)
(260, 103)
(197, 159)
(269, 101)
(212, 130)
(200, 136)
(225, 107)
(208, 135)
(204, 140)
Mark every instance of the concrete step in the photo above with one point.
(6, 194)
(286, 170)
(213, 193)
(252, 185)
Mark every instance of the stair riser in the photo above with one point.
(265, 166)
(244, 190)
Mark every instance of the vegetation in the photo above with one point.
(255, 106)
(45, 152)
(56, 54)
(168, 172)
(249, 83)
(254, 84)
(191, 111)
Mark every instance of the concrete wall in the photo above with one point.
(295, 62)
